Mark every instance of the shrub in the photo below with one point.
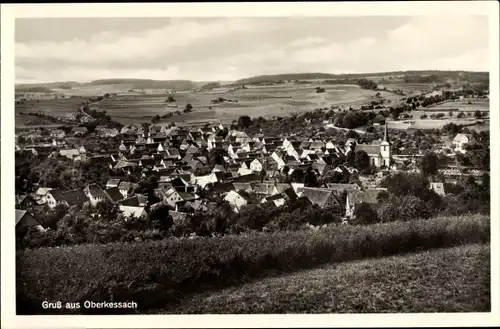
(364, 214)
(170, 269)
(403, 208)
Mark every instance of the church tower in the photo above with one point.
(385, 149)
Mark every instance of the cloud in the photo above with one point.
(232, 48)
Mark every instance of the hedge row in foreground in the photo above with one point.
(158, 273)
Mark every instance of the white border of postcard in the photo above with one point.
(10, 12)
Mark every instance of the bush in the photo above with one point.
(364, 214)
(403, 208)
(171, 269)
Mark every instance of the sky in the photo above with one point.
(227, 49)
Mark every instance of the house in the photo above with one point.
(256, 165)
(343, 187)
(25, 221)
(438, 187)
(245, 178)
(113, 182)
(71, 198)
(95, 194)
(279, 158)
(243, 171)
(90, 148)
(172, 196)
(319, 167)
(202, 181)
(72, 154)
(379, 120)
(132, 207)
(24, 201)
(280, 199)
(220, 188)
(263, 189)
(461, 141)
(122, 164)
(57, 133)
(57, 143)
(79, 131)
(40, 196)
(235, 200)
(113, 194)
(125, 188)
(370, 196)
(379, 154)
(324, 198)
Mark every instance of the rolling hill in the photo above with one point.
(428, 76)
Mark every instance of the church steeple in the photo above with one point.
(386, 134)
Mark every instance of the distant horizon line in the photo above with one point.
(258, 75)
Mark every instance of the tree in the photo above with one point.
(423, 116)
(395, 115)
(244, 122)
(429, 164)
(215, 158)
(297, 176)
(364, 214)
(460, 115)
(160, 218)
(477, 114)
(352, 134)
(188, 108)
(310, 179)
(170, 99)
(361, 160)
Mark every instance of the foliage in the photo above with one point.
(361, 160)
(364, 214)
(156, 274)
(429, 164)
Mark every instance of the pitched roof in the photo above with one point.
(124, 164)
(113, 194)
(96, 191)
(368, 148)
(130, 202)
(43, 190)
(124, 185)
(220, 187)
(74, 197)
(19, 214)
(366, 196)
(342, 187)
(317, 196)
(245, 178)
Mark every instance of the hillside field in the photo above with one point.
(160, 274)
(442, 280)
(266, 101)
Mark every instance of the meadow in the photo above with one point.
(160, 274)
(265, 101)
(463, 105)
(442, 280)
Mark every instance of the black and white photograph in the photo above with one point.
(237, 163)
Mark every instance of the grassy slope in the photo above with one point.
(157, 273)
(444, 280)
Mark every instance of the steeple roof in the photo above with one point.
(386, 134)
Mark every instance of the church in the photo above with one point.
(379, 152)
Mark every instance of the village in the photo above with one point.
(187, 166)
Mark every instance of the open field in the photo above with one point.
(409, 89)
(462, 106)
(53, 107)
(444, 280)
(266, 101)
(437, 124)
(157, 274)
